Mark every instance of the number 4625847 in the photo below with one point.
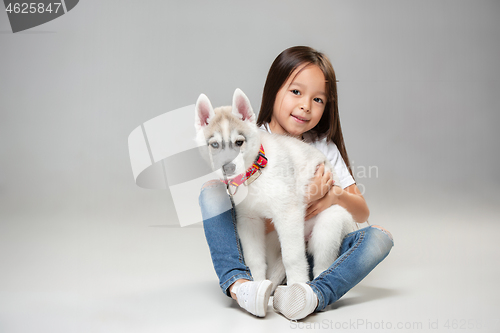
(32, 8)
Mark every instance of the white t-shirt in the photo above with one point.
(331, 151)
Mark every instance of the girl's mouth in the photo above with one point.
(299, 119)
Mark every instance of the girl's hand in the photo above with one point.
(320, 184)
(269, 226)
(316, 207)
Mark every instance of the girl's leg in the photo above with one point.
(360, 253)
(219, 223)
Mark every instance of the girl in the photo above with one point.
(299, 99)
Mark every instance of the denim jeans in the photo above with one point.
(360, 251)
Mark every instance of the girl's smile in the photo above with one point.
(299, 119)
(300, 102)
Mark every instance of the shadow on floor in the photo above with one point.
(367, 294)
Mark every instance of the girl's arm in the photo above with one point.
(350, 198)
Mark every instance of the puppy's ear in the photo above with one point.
(241, 107)
(204, 112)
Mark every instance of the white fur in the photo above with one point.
(279, 194)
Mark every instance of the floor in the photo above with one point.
(120, 274)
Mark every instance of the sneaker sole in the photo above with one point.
(293, 301)
(263, 294)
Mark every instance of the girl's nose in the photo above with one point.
(305, 107)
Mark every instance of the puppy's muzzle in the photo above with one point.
(229, 169)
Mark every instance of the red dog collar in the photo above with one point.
(248, 177)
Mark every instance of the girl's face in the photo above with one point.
(300, 102)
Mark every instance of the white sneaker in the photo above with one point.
(296, 301)
(253, 296)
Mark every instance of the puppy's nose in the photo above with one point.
(229, 168)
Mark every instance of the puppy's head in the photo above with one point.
(229, 132)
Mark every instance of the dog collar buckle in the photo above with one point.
(253, 177)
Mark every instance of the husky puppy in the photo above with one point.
(276, 191)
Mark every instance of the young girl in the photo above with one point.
(300, 100)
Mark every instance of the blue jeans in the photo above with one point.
(360, 252)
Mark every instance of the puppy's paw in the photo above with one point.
(300, 279)
(259, 276)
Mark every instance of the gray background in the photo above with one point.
(81, 243)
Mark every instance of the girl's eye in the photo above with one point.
(295, 92)
(239, 143)
(214, 145)
(319, 100)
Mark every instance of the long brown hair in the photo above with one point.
(281, 69)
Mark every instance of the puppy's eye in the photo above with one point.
(239, 143)
(214, 145)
